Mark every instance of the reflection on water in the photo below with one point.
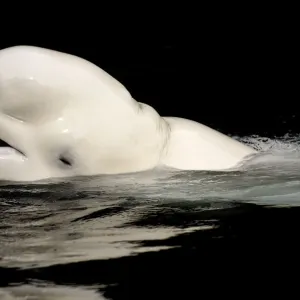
(107, 234)
(47, 292)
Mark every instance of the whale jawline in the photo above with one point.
(4, 144)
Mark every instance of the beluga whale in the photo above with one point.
(63, 116)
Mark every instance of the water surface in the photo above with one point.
(146, 235)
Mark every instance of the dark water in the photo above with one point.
(154, 235)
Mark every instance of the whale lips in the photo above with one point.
(4, 144)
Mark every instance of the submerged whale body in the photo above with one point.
(63, 116)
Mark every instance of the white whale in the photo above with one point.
(63, 116)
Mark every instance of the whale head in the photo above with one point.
(63, 116)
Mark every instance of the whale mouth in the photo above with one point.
(7, 149)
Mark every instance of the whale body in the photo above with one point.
(62, 116)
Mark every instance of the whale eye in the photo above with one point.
(65, 160)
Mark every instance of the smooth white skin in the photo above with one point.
(54, 104)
